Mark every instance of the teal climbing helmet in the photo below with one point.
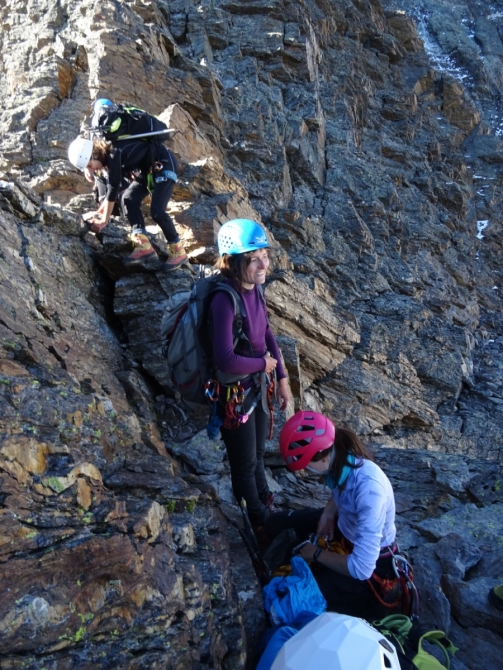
(102, 102)
(240, 236)
(98, 110)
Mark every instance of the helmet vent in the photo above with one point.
(305, 428)
(384, 643)
(299, 443)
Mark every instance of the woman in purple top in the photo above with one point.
(244, 262)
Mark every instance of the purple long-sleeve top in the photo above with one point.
(244, 360)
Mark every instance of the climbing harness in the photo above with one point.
(401, 591)
(162, 174)
(232, 397)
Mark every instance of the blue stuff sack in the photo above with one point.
(285, 598)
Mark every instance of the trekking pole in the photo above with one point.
(168, 131)
(247, 525)
(261, 568)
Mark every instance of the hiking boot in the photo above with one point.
(177, 256)
(495, 596)
(143, 249)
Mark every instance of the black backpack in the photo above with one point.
(186, 335)
(119, 122)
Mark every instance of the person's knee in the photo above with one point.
(244, 468)
(158, 214)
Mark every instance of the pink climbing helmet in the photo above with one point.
(303, 436)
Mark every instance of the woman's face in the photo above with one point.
(94, 164)
(320, 467)
(256, 270)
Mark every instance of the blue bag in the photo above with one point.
(285, 598)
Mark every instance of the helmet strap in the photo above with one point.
(326, 472)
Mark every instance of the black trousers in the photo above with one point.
(245, 449)
(344, 594)
(136, 193)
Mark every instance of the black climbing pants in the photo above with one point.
(344, 594)
(134, 195)
(245, 449)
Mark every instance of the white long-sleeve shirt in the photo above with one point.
(366, 509)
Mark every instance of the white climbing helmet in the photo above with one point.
(80, 152)
(338, 642)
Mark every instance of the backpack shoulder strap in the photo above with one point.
(237, 300)
(261, 293)
(239, 310)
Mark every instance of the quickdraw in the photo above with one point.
(234, 399)
(212, 392)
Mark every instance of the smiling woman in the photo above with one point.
(252, 362)
(257, 264)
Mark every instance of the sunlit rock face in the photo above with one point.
(368, 141)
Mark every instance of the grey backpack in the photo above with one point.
(186, 333)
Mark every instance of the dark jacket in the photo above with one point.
(129, 155)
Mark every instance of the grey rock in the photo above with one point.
(457, 555)
(482, 526)
(368, 142)
(20, 204)
(452, 477)
(470, 605)
(434, 604)
(473, 644)
(205, 456)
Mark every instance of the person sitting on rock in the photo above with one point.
(360, 515)
(145, 165)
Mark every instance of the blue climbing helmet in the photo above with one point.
(240, 236)
(97, 108)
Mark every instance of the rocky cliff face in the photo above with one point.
(368, 141)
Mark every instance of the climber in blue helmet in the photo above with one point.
(246, 369)
(121, 173)
(97, 108)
